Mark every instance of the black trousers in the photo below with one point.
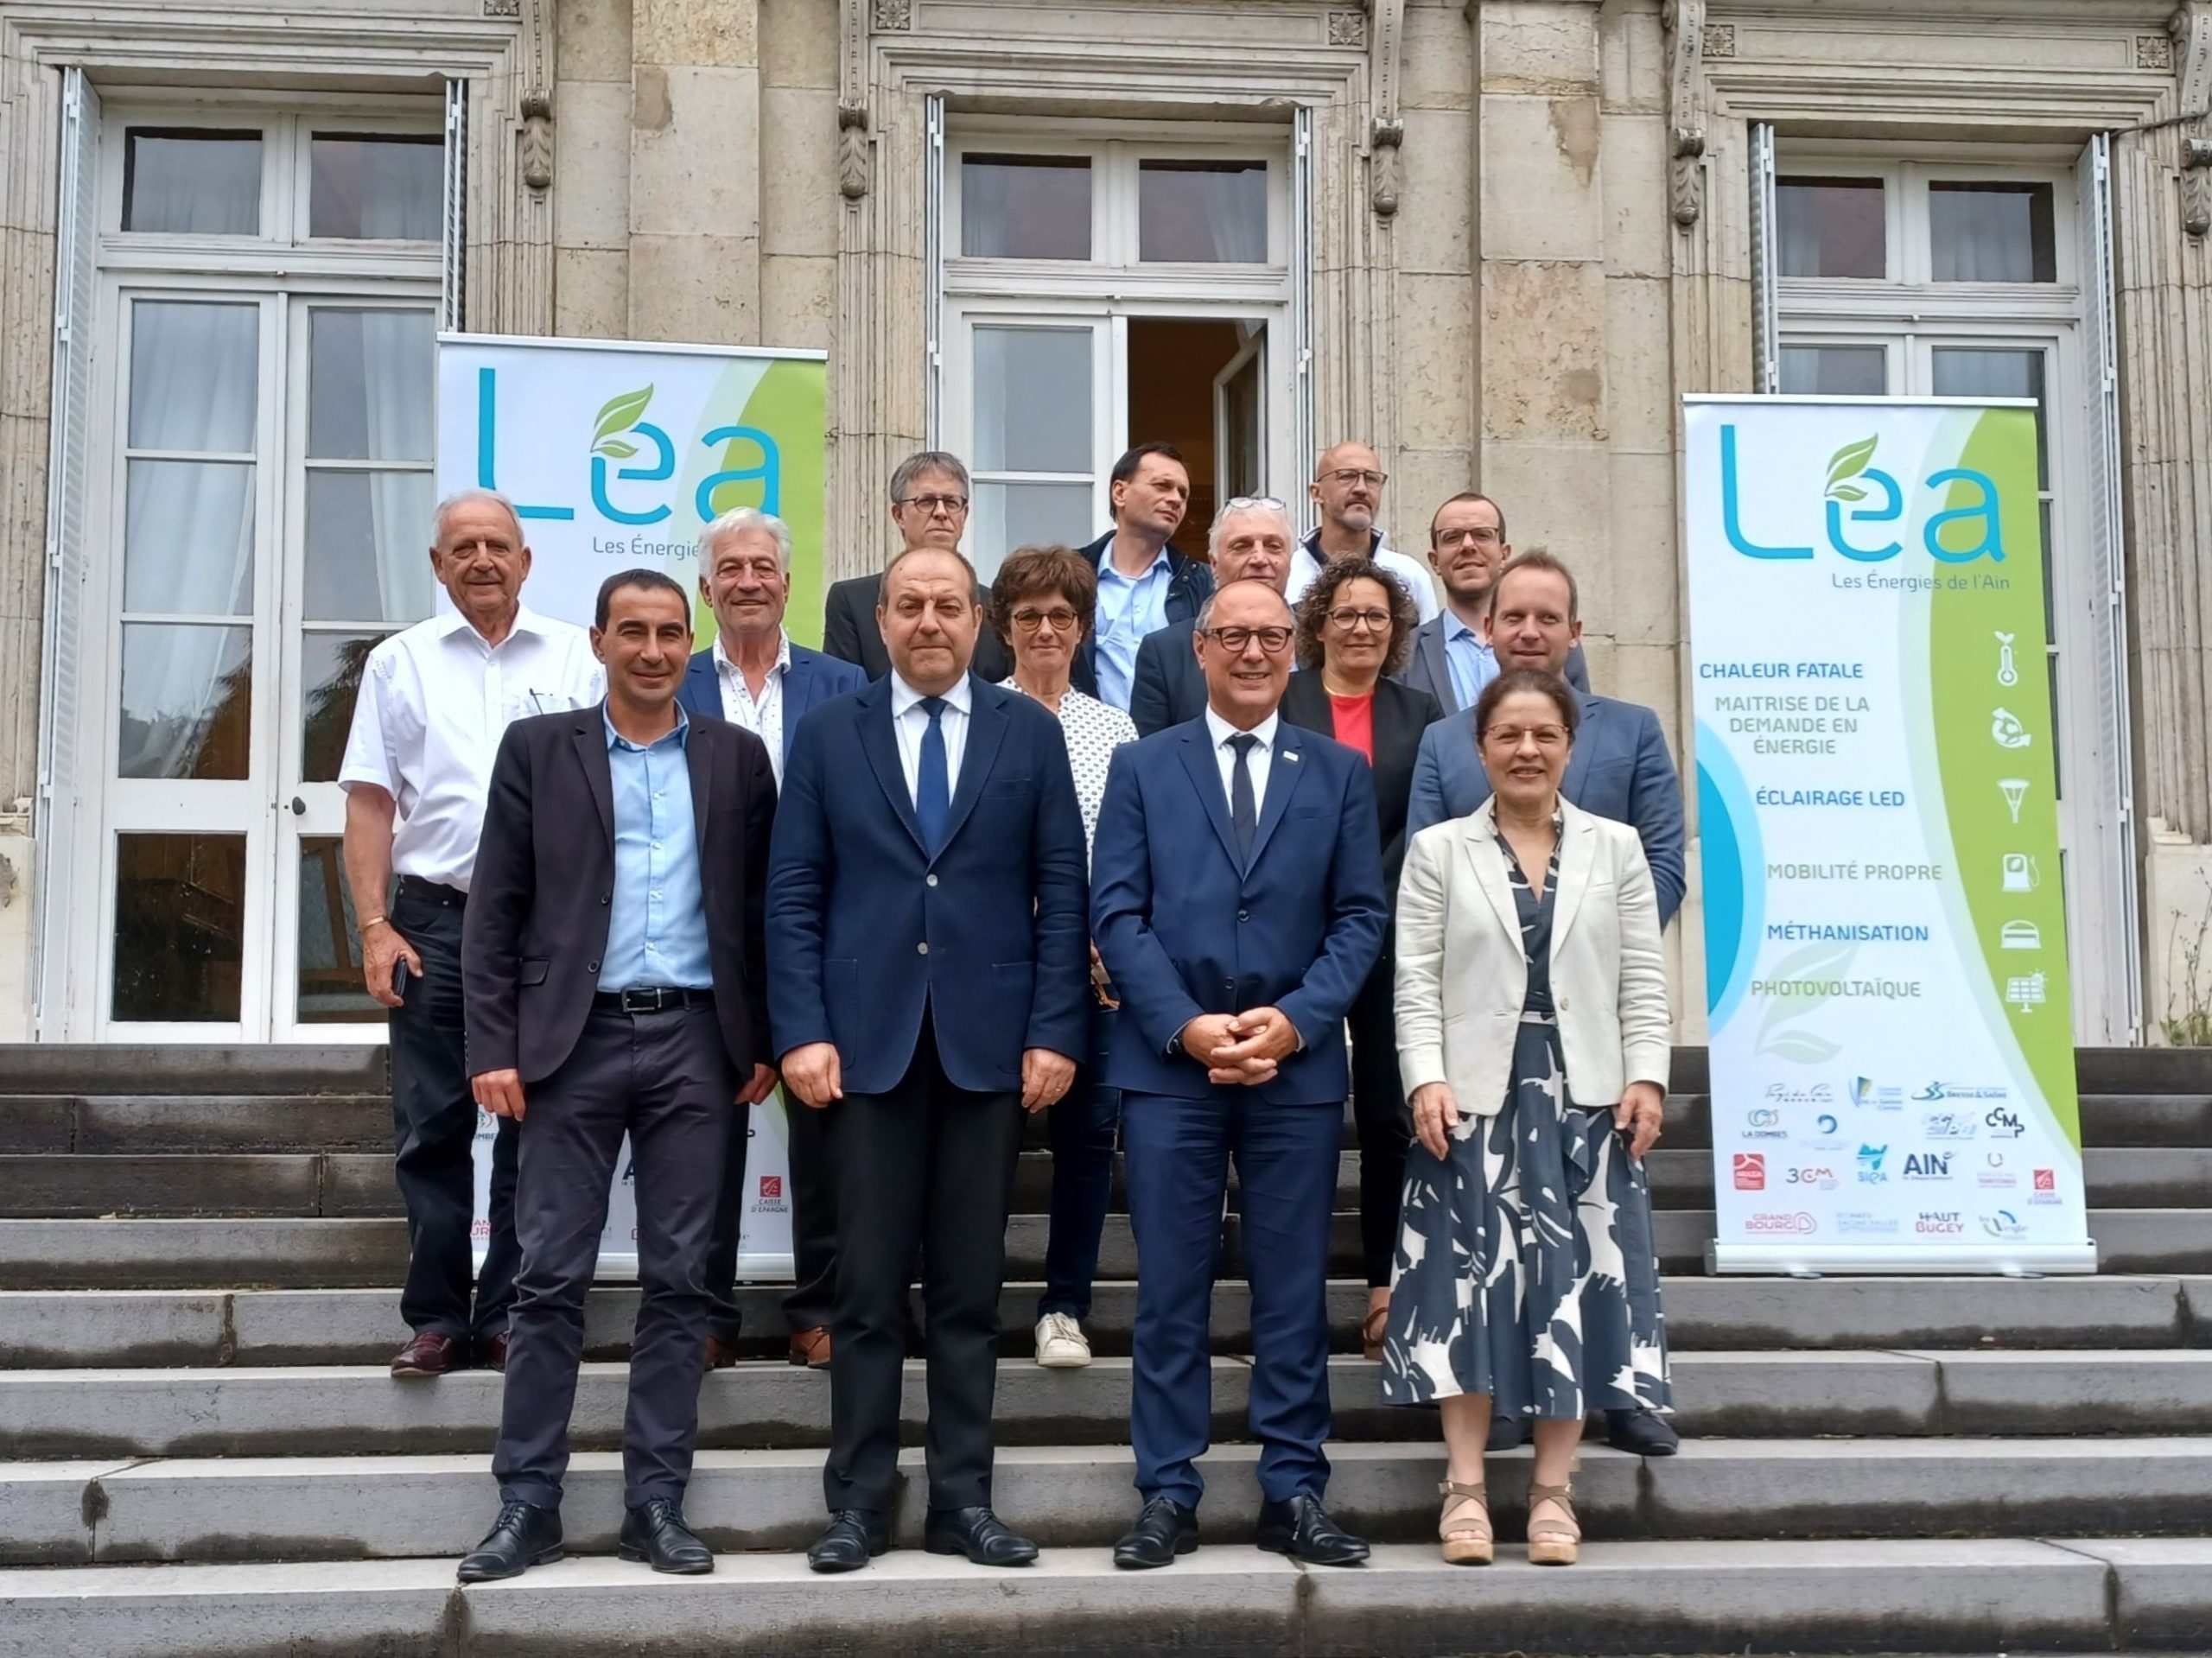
(814, 1229)
(667, 1080)
(1379, 1115)
(434, 1128)
(926, 1168)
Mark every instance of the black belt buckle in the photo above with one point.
(649, 999)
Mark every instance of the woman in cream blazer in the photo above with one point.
(1533, 1039)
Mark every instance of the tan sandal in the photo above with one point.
(1370, 1330)
(1463, 1544)
(1553, 1543)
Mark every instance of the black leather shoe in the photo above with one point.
(1302, 1529)
(852, 1538)
(1641, 1433)
(523, 1536)
(655, 1532)
(1164, 1529)
(1506, 1434)
(978, 1534)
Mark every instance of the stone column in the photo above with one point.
(591, 220)
(695, 171)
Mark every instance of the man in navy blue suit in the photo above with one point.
(931, 984)
(1238, 903)
(754, 676)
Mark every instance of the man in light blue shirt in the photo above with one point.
(1143, 583)
(1452, 657)
(657, 930)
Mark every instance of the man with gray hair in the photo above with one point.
(929, 508)
(1251, 540)
(435, 701)
(754, 676)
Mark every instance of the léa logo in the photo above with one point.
(1860, 499)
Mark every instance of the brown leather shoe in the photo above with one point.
(812, 1348)
(492, 1355)
(428, 1355)
(720, 1355)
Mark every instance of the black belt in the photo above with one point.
(649, 999)
(416, 886)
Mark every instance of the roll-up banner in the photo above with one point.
(1892, 1039)
(616, 455)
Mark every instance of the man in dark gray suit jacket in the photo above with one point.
(1251, 542)
(929, 508)
(1453, 660)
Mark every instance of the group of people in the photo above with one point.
(1130, 838)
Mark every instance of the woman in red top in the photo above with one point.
(1355, 629)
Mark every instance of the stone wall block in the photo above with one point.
(591, 41)
(1539, 46)
(696, 34)
(1645, 604)
(1437, 200)
(1639, 374)
(1421, 481)
(1438, 58)
(591, 292)
(798, 42)
(591, 201)
(1557, 497)
(798, 302)
(1633, 173)
(1650, 675)
(1544, 352)
(1632, 59)
(693, 165)
(1436, 345)
(696, 289)
(800, 207)
(1541, 197)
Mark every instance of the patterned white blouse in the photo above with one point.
(1093, 731)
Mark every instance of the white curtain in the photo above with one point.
(206, 186)
(1983, 235)
(396, 378)
(1236, 213)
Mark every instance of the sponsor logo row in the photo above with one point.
(1928, 1223)
(1874, 1166)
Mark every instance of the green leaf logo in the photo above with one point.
(1848, 463)
(620, 415)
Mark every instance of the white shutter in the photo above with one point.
(1766, 315)
(933, 268)
(1301, 309)
(61, 826)
(2115, 857)
(452, 296)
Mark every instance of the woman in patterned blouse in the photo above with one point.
(1042, 605)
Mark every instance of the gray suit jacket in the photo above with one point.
(1620, 769)
(1429, 671)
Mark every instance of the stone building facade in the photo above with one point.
(1496, 239)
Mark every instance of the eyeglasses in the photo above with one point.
(1060, 618)
(1272, 640)
(1484, 537)
(1377, 620)
(1239, 503)
(1510, 737)
(948, 504)
(1350, 475)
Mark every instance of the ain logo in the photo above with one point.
(1860, 498)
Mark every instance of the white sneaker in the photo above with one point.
(1061, 1344)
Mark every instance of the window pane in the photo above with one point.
(194, 376)
(331, 665)
(187, 180)
(188, 693)
(390, 189)
(180, 926)
(1032, 400)
(1008, 515)
(1991, 232)
(1980, 372)
(1208, 212)
(330, 990)
(368, 539)
(187, 538)
(1831, 227)
(371, 376)
(1835, 371)
(1025, 206)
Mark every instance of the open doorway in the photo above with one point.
(1196, 383)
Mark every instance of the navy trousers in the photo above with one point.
(1082, 1128)
(1178, 1154)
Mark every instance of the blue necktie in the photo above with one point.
(1243, 813)
(932, 780)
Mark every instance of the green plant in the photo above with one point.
(2192, 1027)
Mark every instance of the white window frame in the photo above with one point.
(1914, 315)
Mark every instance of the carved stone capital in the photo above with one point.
(1387, 131)
(1684, 22)
(852, 151)
(537, 113)
(1385, 139)
(1348, 29)
(2191, 28)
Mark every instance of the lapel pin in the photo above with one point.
(1290, 753)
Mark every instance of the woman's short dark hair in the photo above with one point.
(1321, 598)
(1539, 681)
(1042, 573)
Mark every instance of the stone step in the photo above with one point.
(165, 1068)
(1947, 1595)
(335, 1409)
(106, 1329)
(354, 1508)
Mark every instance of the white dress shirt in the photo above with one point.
(763, 717)
(435, 701)
(1262, 760)
(909, 718)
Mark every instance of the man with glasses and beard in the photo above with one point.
(1347, 493)
(1452, 656)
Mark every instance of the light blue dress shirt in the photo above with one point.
(657, 934)
(1473, 663)
(1129, 609)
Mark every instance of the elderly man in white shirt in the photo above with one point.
(435, 702)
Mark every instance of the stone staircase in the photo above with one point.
(201, 1453)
